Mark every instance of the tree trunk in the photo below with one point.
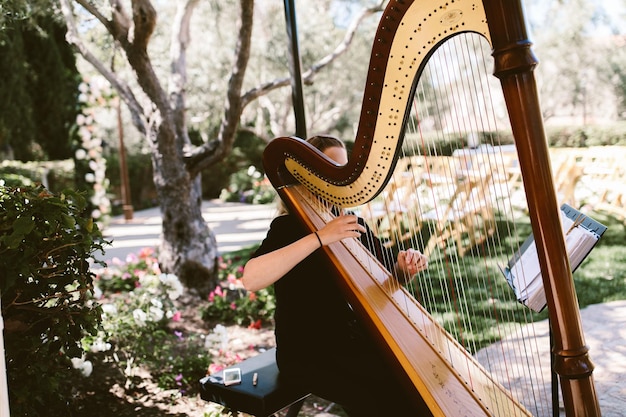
(188, 247)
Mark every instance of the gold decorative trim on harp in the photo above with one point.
(445, 377)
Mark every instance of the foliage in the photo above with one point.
(249, 186)
(46, 242)
(229, 302)
(54, 175)
(577, 136)
(39, 80)
(139, 313)
(247, 152)
(138, 310)
(142, 190)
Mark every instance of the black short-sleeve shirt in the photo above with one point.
(310, 308)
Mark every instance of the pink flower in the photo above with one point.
(218, 291)
(211, 296)
(231, 278)
(233, 306)
(177, 316)
(145, 253)
(214, 368)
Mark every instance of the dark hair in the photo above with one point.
(323, 142)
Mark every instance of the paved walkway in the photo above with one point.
(235, 226)
(604, 328)
(239, 225)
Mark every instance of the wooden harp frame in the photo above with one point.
(408, 33)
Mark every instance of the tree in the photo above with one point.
(573, 56)
(39, 82)
(188, 247)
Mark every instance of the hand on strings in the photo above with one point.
(411, 261)
(339, 228)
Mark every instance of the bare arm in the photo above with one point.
(266, 269)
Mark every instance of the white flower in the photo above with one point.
(109, 309)
(84, 133)
(97, 292)
(85, 367)
(220, 335)
(140, 317)
(100, 346)
(89, 177)
(156, 302)
(174, 287)
(156, 313)
(148, 280)
(80, 154)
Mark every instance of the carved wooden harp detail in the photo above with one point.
(452, 383)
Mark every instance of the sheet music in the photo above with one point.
(523, 272)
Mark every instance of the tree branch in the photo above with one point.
(144, 21)
(121, 87)
(206, 155)
(308, 76)
(213, 152)
(96, 13)
(178, 55)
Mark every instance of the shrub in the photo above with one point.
(46, 243)
(138, 316)
(247, 151)
(230, 303)
(249, 186)
(56, 176)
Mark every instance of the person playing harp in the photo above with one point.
(321, 343)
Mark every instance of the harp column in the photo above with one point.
(514, 65)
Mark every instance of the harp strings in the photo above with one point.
(461, 208)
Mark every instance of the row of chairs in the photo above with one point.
(455, 198)
(593, 177)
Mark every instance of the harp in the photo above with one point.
(413, 191)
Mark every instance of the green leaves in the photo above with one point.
(21, 227)
(46, 243)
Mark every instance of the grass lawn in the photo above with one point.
(484, 304)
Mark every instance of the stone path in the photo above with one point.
(604, 328)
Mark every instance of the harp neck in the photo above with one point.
(389, 86)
